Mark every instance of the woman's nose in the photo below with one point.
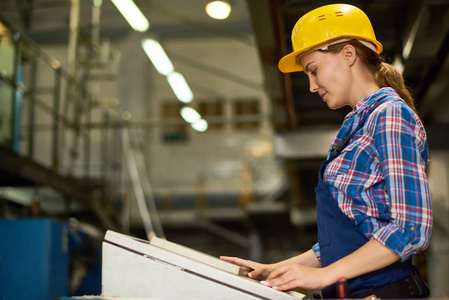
(313, 85)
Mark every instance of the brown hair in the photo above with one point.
(386, 75)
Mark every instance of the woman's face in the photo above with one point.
(329, 76)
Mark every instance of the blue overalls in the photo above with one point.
(338, 235)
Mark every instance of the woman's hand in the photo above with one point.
(289, 277)
(370, 257)
(259, 272)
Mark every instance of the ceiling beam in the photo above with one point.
(268, 29)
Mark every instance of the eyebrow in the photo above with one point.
(307, 67)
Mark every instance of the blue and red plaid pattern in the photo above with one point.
(379, 179)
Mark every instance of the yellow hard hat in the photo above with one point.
(324, 24)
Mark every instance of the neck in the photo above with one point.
(364, 84)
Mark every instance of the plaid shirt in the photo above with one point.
(379, 179)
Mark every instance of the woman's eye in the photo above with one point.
(313, 72)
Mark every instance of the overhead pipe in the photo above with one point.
(72, 55)
(72, 61)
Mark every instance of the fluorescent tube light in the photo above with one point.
(180, 87)
(157, 56)
(189, 114)
(132, 14)
(200, 125)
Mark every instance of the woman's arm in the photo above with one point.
(305, 259)
(370, 257)
(401, 144)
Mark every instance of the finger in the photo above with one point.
(278, 281)
(277, 272)
(247, 264)
(288, 286)
(256, 274)
(238, 261)
(281, 278)
(228, 258)
(234, 260)
(282, 283)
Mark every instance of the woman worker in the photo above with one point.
(373, 200)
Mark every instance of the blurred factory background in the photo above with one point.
(94, 136)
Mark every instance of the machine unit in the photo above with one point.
(34, 259)
(163, 270)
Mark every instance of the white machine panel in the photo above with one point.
(135, 268)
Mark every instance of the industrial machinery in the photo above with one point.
(163, 270)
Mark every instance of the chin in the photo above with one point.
(335, 107)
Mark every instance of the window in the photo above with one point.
(212, 112)
(246, 112)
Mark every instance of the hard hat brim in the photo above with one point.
(289, 63)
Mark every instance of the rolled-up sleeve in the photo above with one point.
(402, 148)
(316, 250)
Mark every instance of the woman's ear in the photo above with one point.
(349, 54)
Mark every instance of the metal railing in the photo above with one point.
(42, 112)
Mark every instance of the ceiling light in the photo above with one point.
(189, 114)
(132, 14)
(200, 125)
(180, 87)
(157, 56)
(219, 10)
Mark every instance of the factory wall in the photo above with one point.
(438, 174)
(211, 163)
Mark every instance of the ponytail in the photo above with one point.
(388, 76)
